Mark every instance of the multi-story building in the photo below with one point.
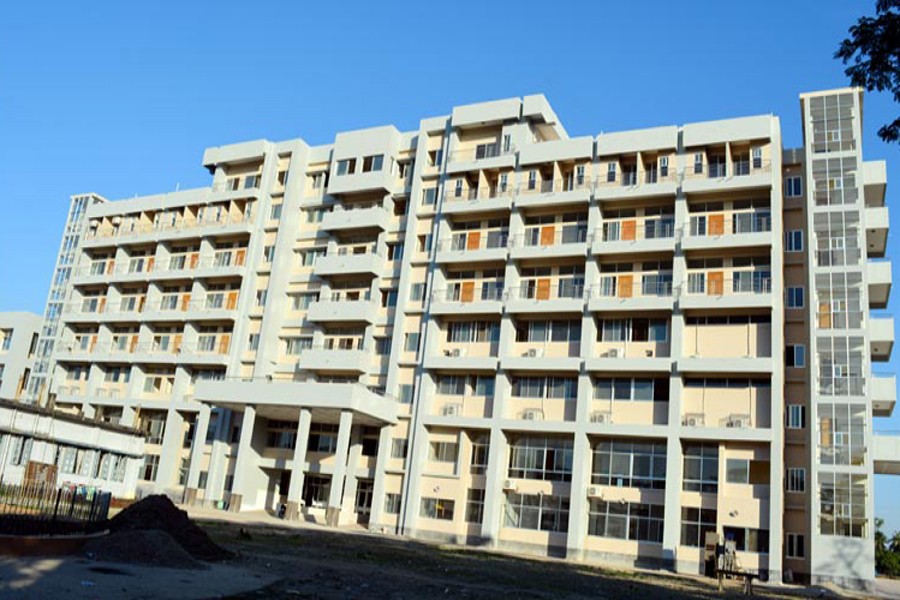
(488, 332)
(18, 343)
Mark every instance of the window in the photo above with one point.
(411, 342)
(479, 458)
(545, 387)
(626, 520)
(293, 346)
(316, 490)
(698, 162)
(475, 506)
(537, 511)
(794, 297)
(406, 393)
(308, 257)
(275, 212)
(546, 459)
(795, 356)
(611, 172)
(268, 254)
(417, 292)
(437, 508)
(261, 296)
(795, 480)
(399, 448)
(793, 186)
(748, 540)
(253, 342)
(382, 346)
(388, 298)
(429, 195)
(443, 451)
(695, 524)
(794, 545)
(795, 416)
(303, 300)
(701, 468)
(663, 166)
(392, 504)
(744, 471)
(395, 251)
(622, 463)
(372, 163)
(842, 504)
(793, 240)
(323, 438)
(346, 166)
(151, 465)
(627, 389)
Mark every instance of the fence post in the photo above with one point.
(56, 504)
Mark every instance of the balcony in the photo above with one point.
(554, 192)
(220, 224)
(719, 176)
(338, 309)
(718, 289)
(624, 184)
(713, 231)
(543, 356)
(630, 357)
(473, 246)
(473, 356)
(622, 292)
(482, 156)
(841, 386)
(331, 357)
(550, 241)
(348, 217)
(635, 236)
(547, 295)
(476, 200)
(345, 261)
(877, 225)
(884, 394)
(881, 337)
(886, 454)
(468, 298)
(183, 308)
(238, 186)
(878, 276)
(875, 181)
(87, 310)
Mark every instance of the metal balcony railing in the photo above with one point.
(628, 231)
(551, 235)
(474, 240)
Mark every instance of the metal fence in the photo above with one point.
(49, 510)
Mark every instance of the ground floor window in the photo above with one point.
(695, 523)
(627, 520)
(475, 506)
(537, 511)
(151, 466)
(316, 490)
(747, 539)
(392, 504)
(437, 508)
(794, 545)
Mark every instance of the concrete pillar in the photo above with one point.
(243, 458)
(170, 455)
(215, 484)
(197, 445)
(295, 490)
(332, 513)
(581, 473)
(348, 503)
(493, 488)
(384, 453)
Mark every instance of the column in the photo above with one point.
(197, 445)
(295, 490)
(581, 473)
(493, 488)
(170, 454)
(332, 513)
(384, 453)
(243, 459)
(215, 480)
(348, 503)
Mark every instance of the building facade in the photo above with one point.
(18, 345)
(487, 332)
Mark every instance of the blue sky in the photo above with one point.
(122, 98)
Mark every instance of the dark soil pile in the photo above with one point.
(150, 547)
(158, 513)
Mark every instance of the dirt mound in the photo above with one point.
(150, 547)
(158, 513)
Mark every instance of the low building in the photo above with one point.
(43, 445)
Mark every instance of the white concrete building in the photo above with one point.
(18, 342)
(488, 332)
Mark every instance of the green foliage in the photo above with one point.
(873, 48)
(887, 555)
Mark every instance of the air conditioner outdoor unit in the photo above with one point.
(533, 414)
(600, 417)
(692, 422)
(458, 352)
(451, 410)
(535, 353)
(738, 423)
(648, 353)
(614, 353)
(593, 491)
(509, 484)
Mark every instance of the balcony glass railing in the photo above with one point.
(470, 291)
(738, 223)
(628, 231)
(716, 284)
(626, 286)
(550, 235)
(474, 240)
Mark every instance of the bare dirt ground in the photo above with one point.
(321, 563)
